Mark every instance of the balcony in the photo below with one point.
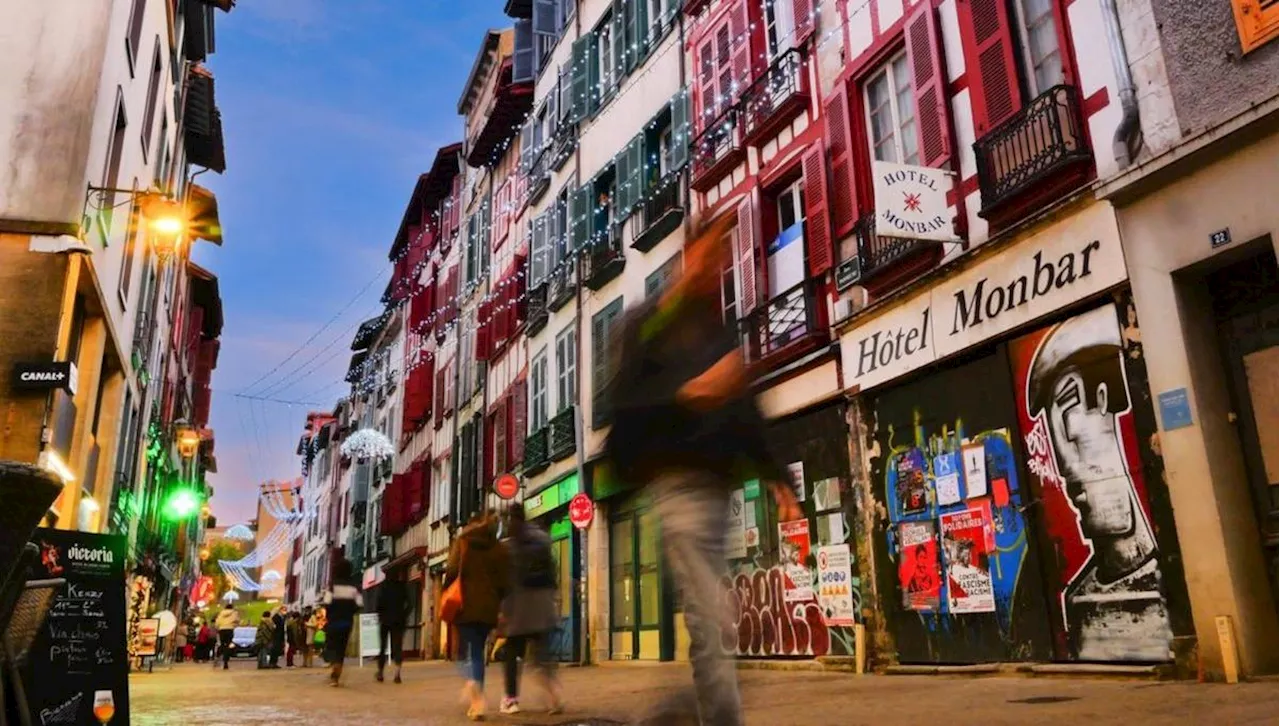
(564, 440)
(873, 254)
(536, 306)
(562, 147)
(693, 7)
(142, 330)
(539, 177)
(563, 283)
(776, 97)
(605, 257)
(536, 456)
(716, 151)
(787, 326)
(659, 216)
(1035, 156)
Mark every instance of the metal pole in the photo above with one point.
(579, 435)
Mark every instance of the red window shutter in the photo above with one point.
(986, 38)
(484, 328)
(518, 294)
(844, 192)
(509, 421)
(413, 494)
(707, 72)
(740, 34)
(803, 13)
(817, 224)
(439, 406)
(385, 520)
(519, 419)
(745, 238)
(425, 470)
(427, 374)
(924, 55)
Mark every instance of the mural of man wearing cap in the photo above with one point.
(1114, 606)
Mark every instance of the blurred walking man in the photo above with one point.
(686, 426)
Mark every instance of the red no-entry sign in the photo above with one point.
(507, 486)
(581, 510)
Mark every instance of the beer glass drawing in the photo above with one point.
(104, 707)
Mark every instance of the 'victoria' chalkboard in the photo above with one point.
(79, 663)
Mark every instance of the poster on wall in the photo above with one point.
(826, 494)
(797, 478)
(793, 555)
(964, 541)
(975, 470)
(79, 662)
(912, 488)
(918, 576)
(835, 584)
(831, 528)
(1076, 411)
(148, 638)
(735, 539)
(946, 478)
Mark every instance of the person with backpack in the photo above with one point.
(530, 612)
(478, 563)
(685, 426)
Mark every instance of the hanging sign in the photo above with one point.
(835, 585)
(45, 376)
(581, 510)
(506, 486)
(911, 202)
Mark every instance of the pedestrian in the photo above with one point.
(226, 623)
(393, 606)
(279, 634)
(479, 561)
(263, 639)
(342, 602)
(530, 611)
(310, 622)
(207, 640)
(296, 633)
(180, 644)
(686, 427)
(320, 645)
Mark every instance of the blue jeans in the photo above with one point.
(472, 638)
(694, 509)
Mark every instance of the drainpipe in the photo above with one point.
(579, 432)
(1128, 138)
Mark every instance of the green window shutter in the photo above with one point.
(680, 129)
(593, 73)
(582, 66)
(565, 85)
(620, 50)
(579, 216)
(638, 31)
(621, 165)
(638, 167)
(539, 262)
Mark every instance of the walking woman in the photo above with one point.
(226, 621)
(530, 612)
(342, 602)
(311, 622)
(480, 562)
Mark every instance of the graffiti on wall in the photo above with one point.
(763, 623)
(1073, 402)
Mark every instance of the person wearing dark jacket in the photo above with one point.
(530, 611)
(686, 427)
(342, 602)
(480, 561)
(278, 636)
(393, 606)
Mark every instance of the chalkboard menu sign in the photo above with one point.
(79, 663)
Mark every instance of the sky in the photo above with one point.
(331, 109)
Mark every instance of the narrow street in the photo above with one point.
(192, 695)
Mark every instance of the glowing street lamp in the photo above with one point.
(188, 439)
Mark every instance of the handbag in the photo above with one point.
(451, 598)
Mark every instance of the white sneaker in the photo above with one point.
(509, 706)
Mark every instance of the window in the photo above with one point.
(659, 279)
(1257, 22)
(130, 248)
(566, 369)
(136, 15)
(153, 98)
(111, 173)
(1038, 30)
(163, 156)
(665, 161)
(728, 295)
(657, 15)
(538, 393)
(499, 422)
(891, 114)
(779, 26)
(603, 363)
(790, 205)
(603, 198)
(604, 57)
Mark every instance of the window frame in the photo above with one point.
(606, 83)
(772, 14)
(539, 407)
(1023, 39)
(885, 70)
(566, 353)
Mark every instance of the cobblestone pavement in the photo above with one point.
(191, 695)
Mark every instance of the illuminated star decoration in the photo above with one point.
(912, 202)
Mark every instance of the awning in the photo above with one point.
(203, 123)
(415, 554)
(202, 215)
(205, 295)
(368, 330)
(353, 370)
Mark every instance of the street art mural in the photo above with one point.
(1075, 411)
(763, 623)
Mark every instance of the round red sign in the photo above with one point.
(581, 510)
(506, 486)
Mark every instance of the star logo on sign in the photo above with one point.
(911, 202)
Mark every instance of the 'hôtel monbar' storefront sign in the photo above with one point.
(1073, 259)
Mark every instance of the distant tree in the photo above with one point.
(220, 550)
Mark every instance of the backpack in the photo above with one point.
(535, 568)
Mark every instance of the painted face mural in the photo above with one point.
(1075, 417)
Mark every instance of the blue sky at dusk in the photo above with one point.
(331, 109)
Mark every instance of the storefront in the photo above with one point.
(1009, 433)
(549, 508)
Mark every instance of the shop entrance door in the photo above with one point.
(1244, 300)
(640, 612)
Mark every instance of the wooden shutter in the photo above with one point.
(986, 38)
(707, 72)
(680, 132)
(924, 56)
(638, 168)
(621, 53)
(484, 329)
(413, 494)
(538, 252)
(565, 89)
(424, 472)
(621, 177)
(544, 17)
(817, 223)
(522, 70)
(487, 469)
(581, 78)
(579, 216)
(804, 21)
(519, 419)
(745, 239)
(740, 37)
(439, 404)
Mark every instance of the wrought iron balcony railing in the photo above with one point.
(873, 254)
(717, 150)
(142, 332)
(564, 440)
(776, 97)
(659, 215)
(537, 313)
(563, 283)
(1042, 140)
(539, 177)
(562, 147)
(536, 451)
(605, 257)
(783, 323)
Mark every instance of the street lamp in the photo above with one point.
(188, 439)
(165, 215)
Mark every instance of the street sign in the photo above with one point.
(45, 376)
(581, 511)
(507, 486)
